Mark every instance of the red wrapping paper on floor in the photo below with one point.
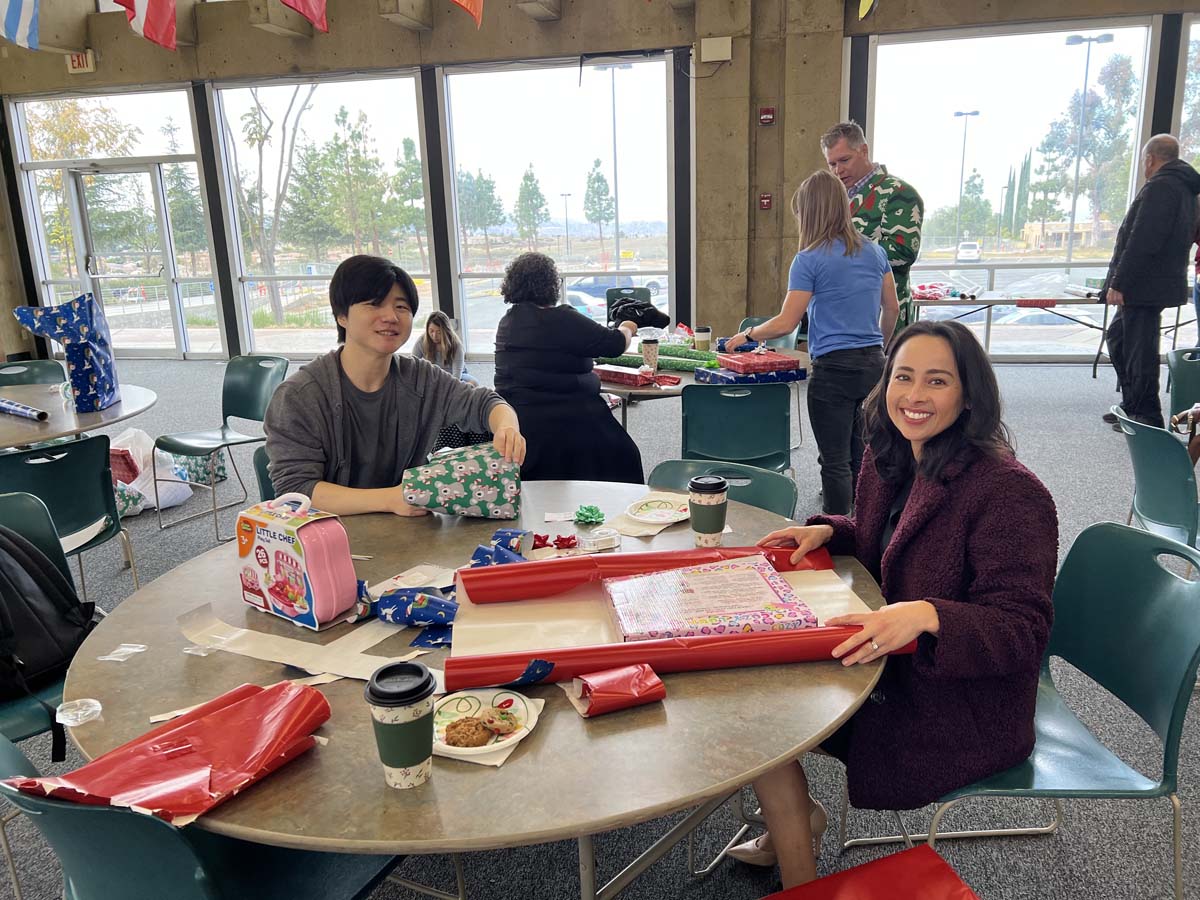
(613, 689)
(547, 577)
(681, 654)
(187, 766)
(916, 874)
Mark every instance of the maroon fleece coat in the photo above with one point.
(981, 544)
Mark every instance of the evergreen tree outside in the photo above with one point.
(1021, 209)
(488, 211)
(1189, 130)
(599, 208)
(465, 186)
(408, 188)
(185, 208)
(309, 212)
(531, 210)
(1010, 199)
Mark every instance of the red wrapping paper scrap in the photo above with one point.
(747, 363)
(916, 874)
(613, 689)
(682, 654)
(191, 764)
(547, 577)
(667, 380)
(627, 375)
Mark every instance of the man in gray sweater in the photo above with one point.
(345, 427)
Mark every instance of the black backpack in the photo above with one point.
(42, 624)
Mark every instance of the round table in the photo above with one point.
(64, 421)
(571, 778)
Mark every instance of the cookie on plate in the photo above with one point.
(467, 732)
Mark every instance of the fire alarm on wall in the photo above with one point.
(764, 201)
(766, 115)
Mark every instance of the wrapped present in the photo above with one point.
(195, 468)
(79, 325)
(727, 376)
(743, 347)
(758, 361)
(514, 539)
(671, 363)
(679, 352)
(626, 375)
(597, 693)
(471, 481)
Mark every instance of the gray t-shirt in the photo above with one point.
(372, 458)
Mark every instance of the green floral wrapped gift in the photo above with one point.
(470, 481)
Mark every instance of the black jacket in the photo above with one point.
(1150, 259)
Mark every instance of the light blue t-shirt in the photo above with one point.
(844, 311)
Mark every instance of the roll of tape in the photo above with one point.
(600, 539)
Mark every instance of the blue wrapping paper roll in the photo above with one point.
(13, 408)
(416, 607)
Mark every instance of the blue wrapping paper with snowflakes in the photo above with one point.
(80, 327)
(470, 481)
(725, 376)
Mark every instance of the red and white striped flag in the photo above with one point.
(475, 8)
(313, 10)
(152, 19)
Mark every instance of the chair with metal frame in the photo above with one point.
(262, 474)
(247, 388)
(612, 295)
(32, 371)
(763, 488)
(745, 423)
(786, 342)
(1184, 368)
(1164, 482)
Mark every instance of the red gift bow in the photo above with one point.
(566, 542)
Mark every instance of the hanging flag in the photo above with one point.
(152, 19)
(864, 8)
(313, 10)
(21, 22)
(475, 8)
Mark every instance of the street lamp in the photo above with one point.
(966, 117)
(567, 223)
(612, 71)
(1075, 40)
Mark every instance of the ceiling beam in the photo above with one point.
(273, 16)
(415, 15)
(541, 10)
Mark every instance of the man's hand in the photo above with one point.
(510, 443)
(1114, 297)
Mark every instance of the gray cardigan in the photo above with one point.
(306, 442)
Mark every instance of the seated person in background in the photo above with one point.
(1185, 422)
(544, 355)
(442, 347)
(963, 540)
(345, 427)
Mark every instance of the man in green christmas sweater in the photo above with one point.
(885, 209)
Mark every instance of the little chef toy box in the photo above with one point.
(295, 562)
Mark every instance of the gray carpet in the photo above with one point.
(1105, 849)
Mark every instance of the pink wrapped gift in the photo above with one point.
(757, 361)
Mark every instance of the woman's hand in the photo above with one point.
(805, 538)
(884, 630)
(510, 443)
(401, 507)
(630, 327)
(732, 343)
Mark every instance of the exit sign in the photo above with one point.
(83, 61)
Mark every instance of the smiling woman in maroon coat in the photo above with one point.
(963, 540)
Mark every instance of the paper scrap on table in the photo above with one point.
(630, 527)
(826, 593)
(501, 755)
(560, 517)
(418, 576)
(311, 681)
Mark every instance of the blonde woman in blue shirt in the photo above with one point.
(844, 283)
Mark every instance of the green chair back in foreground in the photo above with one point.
(32, 371)
(1184, 366)
(747, 484)
(787, 342)
(612, 295)
(745, 423)
(262, 474)
(107, 852)
(1164, 481)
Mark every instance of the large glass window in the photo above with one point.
(1189, 137)
(569, 161)
(321, 171)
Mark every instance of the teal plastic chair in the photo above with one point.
(747, 484)
(249, 383)
(107, 852)
(262, 474)
(74, 481)
(1184, 368)
(746, 423)
(612, 295)
(1164, 482)
(32, 371)
(787, 342)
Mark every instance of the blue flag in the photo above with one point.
(21, 22)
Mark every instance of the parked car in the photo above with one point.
(1034, 316)
(968, 251)
(598, 285)
(593, 307)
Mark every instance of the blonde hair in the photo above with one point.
(822, 212)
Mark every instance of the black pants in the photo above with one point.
(839, 383)
(1133, 338)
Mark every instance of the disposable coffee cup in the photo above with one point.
(650, 352)
(707, 505)
(400, 696)
(702, 337)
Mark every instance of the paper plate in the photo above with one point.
(470, 703)
(658, 510)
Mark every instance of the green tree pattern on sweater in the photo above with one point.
(889, 212)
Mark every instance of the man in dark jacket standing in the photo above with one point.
(1148, 274)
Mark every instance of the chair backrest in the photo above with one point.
(1164, 481)
(33, 371)
(1184, 366)
(73, 479)
(745, 423)
(262, 474)
(763, 488)
(28, 516)
(787, 342)
(249, 383)
(612, 295)
(1132, 625)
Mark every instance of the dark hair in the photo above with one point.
(978, 425)
(445, 351)
(367, 279)
(531, 278)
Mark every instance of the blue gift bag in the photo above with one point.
(79, 325)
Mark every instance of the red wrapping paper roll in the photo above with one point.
(547, 577)
(613, 689)
(683, 654)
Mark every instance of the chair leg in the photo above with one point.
(82, 583)
(747, 820)
(8, 857)
(212, 486)
(212, 480)
(127, 544)
(1177, 811)
(428, 891)
(933, 836)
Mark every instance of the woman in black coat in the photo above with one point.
(544, 355)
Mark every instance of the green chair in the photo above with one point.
(787, 342)
(262, 473)
(32, 371)
(612, 295)
(74, 481)
(747, 484)
(107, 852)
(249, 383)
(1164, 482)
(748, 423)
(1184, 368)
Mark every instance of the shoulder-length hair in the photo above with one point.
(978, 426)
(822, 212)
(446, 349)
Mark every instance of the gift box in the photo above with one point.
(916, 874)
(79, 325)
(743, 347)
(766, 361)
(626, 375)
(728, 376)
(470, 481)
(597, 693)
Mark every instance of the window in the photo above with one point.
(568, 161)
(320, 171)
(1189, 137)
